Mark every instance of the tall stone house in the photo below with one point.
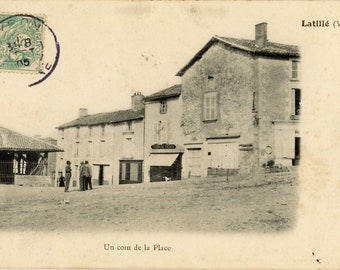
(241, 106)
(112, 142)
(163, 145)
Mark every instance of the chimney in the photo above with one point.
(261, 35)
(137, 101)
(83, 112)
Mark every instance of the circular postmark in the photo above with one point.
(28, 45)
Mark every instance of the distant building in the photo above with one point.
(164, 137)
(25, 160)
(241, 105)
(112, 142)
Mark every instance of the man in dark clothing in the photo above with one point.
(61, 181)
(81, 177)
(88, 175)
(68, 175)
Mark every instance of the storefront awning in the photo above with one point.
(162, 159)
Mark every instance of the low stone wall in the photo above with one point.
(34, 180)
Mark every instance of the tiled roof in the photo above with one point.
(173, 91)
(14, 141)
(105, 118)
(271, 49)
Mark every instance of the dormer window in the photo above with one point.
(163, 107)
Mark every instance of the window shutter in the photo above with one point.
(156, 132)
(206, 107)
(213, 106)
(164, 132)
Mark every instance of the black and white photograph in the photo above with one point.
(169, 135)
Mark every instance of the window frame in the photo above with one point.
(163, 108)
(210, 106)
(295, 70)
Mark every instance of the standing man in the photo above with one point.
(88, 175)
(68, 175)
(81, 177)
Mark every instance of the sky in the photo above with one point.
(109, 50)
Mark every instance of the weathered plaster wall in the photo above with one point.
(114, 148)
(275, 100)
(235, 75)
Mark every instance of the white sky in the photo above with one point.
(104, 46)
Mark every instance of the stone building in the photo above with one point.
(163, 145)
(112, 142)
(241, 105)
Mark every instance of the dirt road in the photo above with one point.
(212, 204)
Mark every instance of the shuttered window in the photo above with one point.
(161, 132)
(210, 106)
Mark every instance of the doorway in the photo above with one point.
(101, 175)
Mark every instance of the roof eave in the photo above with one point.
(30, 150)
(197, 56)
(214, 39)
(161, 97)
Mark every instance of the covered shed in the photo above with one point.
(21, 155)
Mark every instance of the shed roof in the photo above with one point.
(275, 50)
(173, 91)
(13, 141)
(105, 118)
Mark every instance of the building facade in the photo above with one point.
(163, 145)
(112, 143)
(241, 106)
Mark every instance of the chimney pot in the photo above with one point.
(261, 35)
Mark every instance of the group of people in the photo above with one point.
(85, 176)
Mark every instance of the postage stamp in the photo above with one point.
(21, 43)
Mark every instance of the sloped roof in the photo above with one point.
(173, 91)
(105, 118)
(13, 141)
(270, 50)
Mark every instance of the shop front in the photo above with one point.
(164, 163)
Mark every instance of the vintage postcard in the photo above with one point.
(169, 135)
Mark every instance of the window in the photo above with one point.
(76, 149)
(161, 132)
(295, 70)
(89, 149)
(62, 133)
(254, 102)
(129, 126)
(210, 106)
(102, 148)
(90, 132)
(296, 101)
(163, 107)
(128, 148)
(102, 130)
(77, 132)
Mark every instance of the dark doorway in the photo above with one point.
(101, 175)
(296, 160)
